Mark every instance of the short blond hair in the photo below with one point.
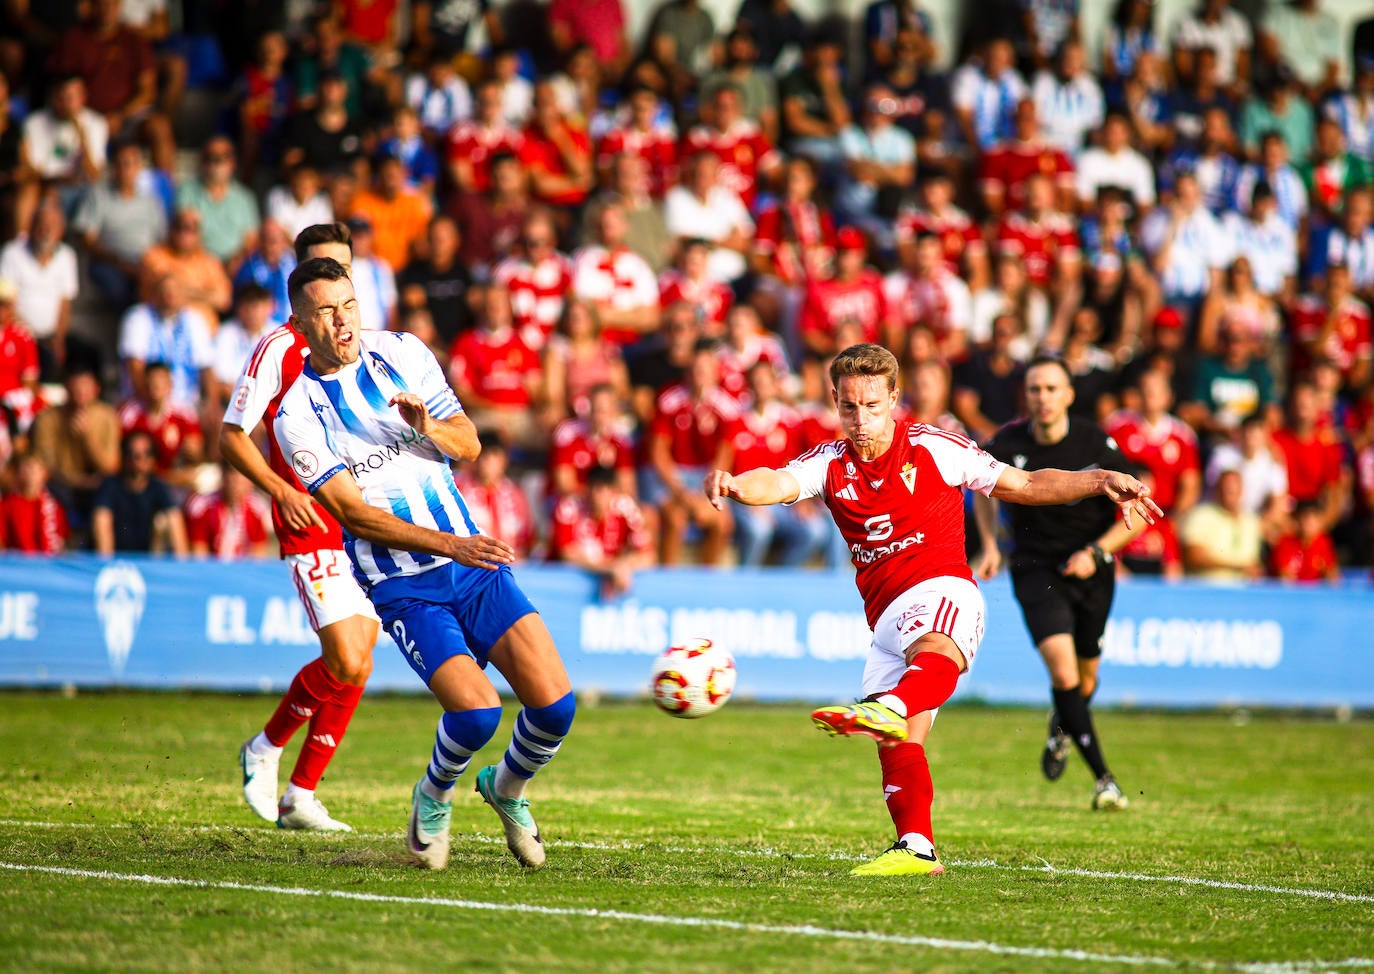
(865, 359)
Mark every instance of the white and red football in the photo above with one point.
(693, 678)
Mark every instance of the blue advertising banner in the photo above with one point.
(795, 634)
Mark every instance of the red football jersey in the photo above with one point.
(832, 303)
(958, 234)
(1303, 562)
(1167, 450)
(787, 231)
(477, 144)
(692, 426)
(711, 296)
(743, 151)
(1009, 166)
(37, 525)
(18, 357)
(539, 153)
(500, 510)
(170, 431)
(577, 445)
(767, 439)
(1312, 463)
(496, 366)
(271, 370)
(820, 423)
(902, 514)
(657, 147)
(228, 532)
(537, 292)
(576, 530)
(735, 364)
(1039, 243)
(1348, 342)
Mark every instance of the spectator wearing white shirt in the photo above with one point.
(167, 329)
(1068, 100)
(63, 146)
(985, 95)
(439, 96)
(1353, 110)
(237, 337)
(702, 208)
(879, 163)
(1215, 26)
(301, 203)
(1263, 471)
(1273, 168)
(43, 271)
(1350, 242)
(1187, 246)
(1307, 40)
(1267, 241)
(1116, 163)
(615, 279)
(374, 282)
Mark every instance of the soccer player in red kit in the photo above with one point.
(895, 491)
(326, 691)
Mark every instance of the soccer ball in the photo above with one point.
(693, 678)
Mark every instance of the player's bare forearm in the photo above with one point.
(455, 437)
(236, 446)
(754, 488)
(1052, 486)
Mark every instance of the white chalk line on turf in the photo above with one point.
(713, 923)
(764, 853)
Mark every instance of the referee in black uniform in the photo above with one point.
(1062, 567)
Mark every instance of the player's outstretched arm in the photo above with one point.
(756, 488)
(340, 496)
(1051, 486)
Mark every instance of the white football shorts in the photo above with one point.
(326, 587)
(946, 604)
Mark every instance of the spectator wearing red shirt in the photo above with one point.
(746, 156)
(641, 131)
(495, 375)
(1162, 444)
(1307, 554)
(557, 153)
(691, 281)
(768, 433)
(537, 277)
(600, 23)
(746, 344)
(120, 71)
(1335, 325)
(31, 519)
(19, 365)
(1044, 239)
(617, 281)
(606, 532)
(472, 145)
(1316, 465)
(926, 293)
(175, 429)
(854, 294)
(961, 241)
(1155, 550)
(600, 438)
(684, 441)
(793, 243)
(496, 502)
(232, 523)
(1008, 167)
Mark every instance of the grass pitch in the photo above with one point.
(715, 845)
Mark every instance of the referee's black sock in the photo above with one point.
(1077, 722)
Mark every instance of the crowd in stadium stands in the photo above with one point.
(635, 257)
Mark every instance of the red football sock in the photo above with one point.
(928, 682)
(313, 685)
(327, 729)
(908, 788)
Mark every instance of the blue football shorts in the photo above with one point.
(449, 611)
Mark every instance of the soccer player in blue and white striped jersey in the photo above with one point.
(370, 427)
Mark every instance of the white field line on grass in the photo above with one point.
(710, 923)
(765, 853)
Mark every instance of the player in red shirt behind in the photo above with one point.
(895, 491)
(1307, 554)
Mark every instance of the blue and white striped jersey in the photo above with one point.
(341, 423)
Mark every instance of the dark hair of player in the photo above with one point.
(322, 233)
(307, 273)
(865, 359)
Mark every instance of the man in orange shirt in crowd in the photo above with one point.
(399, 214)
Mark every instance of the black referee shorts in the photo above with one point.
(1053, 603)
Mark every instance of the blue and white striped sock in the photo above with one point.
(539, 732)
(460, 735)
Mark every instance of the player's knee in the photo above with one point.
(556, 718)
(471, 729)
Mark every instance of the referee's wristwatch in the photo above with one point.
(1100, 556)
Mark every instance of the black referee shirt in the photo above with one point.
(1046, 536)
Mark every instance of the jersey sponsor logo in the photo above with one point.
(305, 463)
(909, 477)
(380, 458)
(879, 527)
(866, 556)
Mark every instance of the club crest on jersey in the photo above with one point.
(305, 463)
(849, 471)
(909, 477)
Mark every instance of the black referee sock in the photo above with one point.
(1077, 722)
